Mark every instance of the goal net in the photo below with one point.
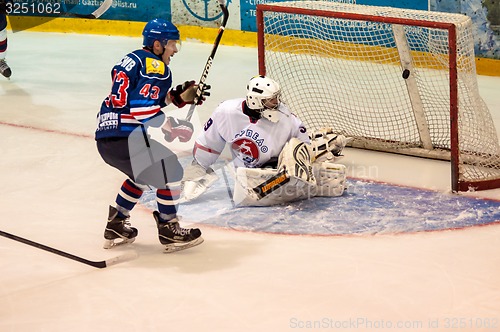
(395, 80)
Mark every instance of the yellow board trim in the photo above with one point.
(484, 66)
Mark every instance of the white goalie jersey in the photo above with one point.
(252, 143)
(275, 162)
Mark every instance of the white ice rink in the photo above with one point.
(56, 191)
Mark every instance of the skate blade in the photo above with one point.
(108, 244)
(174, 247)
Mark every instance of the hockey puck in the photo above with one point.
(406, 73)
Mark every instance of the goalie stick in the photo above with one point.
(271, 184)
(201, 83)
(228, 188)
(97, 264)
(106, 4)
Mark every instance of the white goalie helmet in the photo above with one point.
(264, 96)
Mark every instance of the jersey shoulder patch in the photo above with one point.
(155, 66)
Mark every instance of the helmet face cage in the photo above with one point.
(263, 93)
(161, 30)
(273, 102)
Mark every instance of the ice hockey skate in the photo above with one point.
(5, 69)
(118, 230)
(174, 237)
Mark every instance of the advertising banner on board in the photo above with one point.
(485, 14)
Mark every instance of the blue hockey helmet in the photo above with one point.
(161, 30)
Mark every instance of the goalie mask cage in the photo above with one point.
(395, 80)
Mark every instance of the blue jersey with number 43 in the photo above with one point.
(141, 81)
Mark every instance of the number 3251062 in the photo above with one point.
(33, 8)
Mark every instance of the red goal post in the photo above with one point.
(395, 80)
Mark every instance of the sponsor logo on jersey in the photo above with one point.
(107, 121)
(248, 145)
(246, 150)
(154, 66)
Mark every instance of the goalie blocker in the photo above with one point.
(296, 177)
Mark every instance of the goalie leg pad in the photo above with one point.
(296, 159)
(330, 179)
(266, 187)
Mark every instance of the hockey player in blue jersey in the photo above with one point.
(4, 68)
(141, 87)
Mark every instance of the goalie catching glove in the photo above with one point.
(327, 145)
(185, 93)
(177, 128)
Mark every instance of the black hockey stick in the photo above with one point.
(271, 184)
(228, 187)
(95, 14)
(201, 83)
(98, 264)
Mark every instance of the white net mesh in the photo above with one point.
(346, 73)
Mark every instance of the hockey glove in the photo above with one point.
(340, 141)
(177, 128)
(193, 189)
(197, 179)
(327, 145)
(185, 93)
(195, 171)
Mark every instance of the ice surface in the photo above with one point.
(56, 189)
